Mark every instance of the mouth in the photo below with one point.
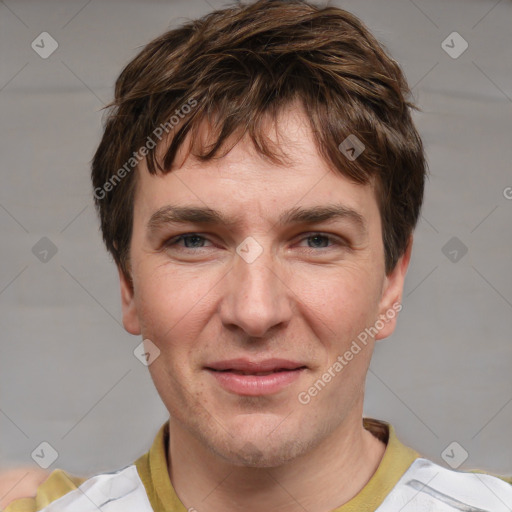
(252, 367)
(251, 378)
(258, 374)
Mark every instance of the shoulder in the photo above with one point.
(428, 486)
(110, 492)
(53, 487)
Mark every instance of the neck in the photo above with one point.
(322, 479)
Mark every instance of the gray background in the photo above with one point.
(68, 375)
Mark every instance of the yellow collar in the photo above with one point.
(152, 469)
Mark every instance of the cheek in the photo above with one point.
(171, 304)
(344, 300)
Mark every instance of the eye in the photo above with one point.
(320, 241)
(194, 242)
(191, 241)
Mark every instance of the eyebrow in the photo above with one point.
(298, 215)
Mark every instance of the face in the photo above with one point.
(252, 302)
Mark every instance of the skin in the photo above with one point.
(20, 482)
(303, 298)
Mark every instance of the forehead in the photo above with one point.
(243, 183)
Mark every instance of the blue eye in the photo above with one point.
(318, 237)
(323, 241)
(191, 240)
(194, 241)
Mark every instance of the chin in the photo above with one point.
(262, 454)
(262, 441)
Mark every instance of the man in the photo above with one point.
(258, 183)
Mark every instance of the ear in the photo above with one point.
(130, 316)
(391, 300)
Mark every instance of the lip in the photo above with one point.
(248, 366)
(240, 376)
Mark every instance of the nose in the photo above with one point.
(257, 296)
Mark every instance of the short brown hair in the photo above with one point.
(243, 63)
